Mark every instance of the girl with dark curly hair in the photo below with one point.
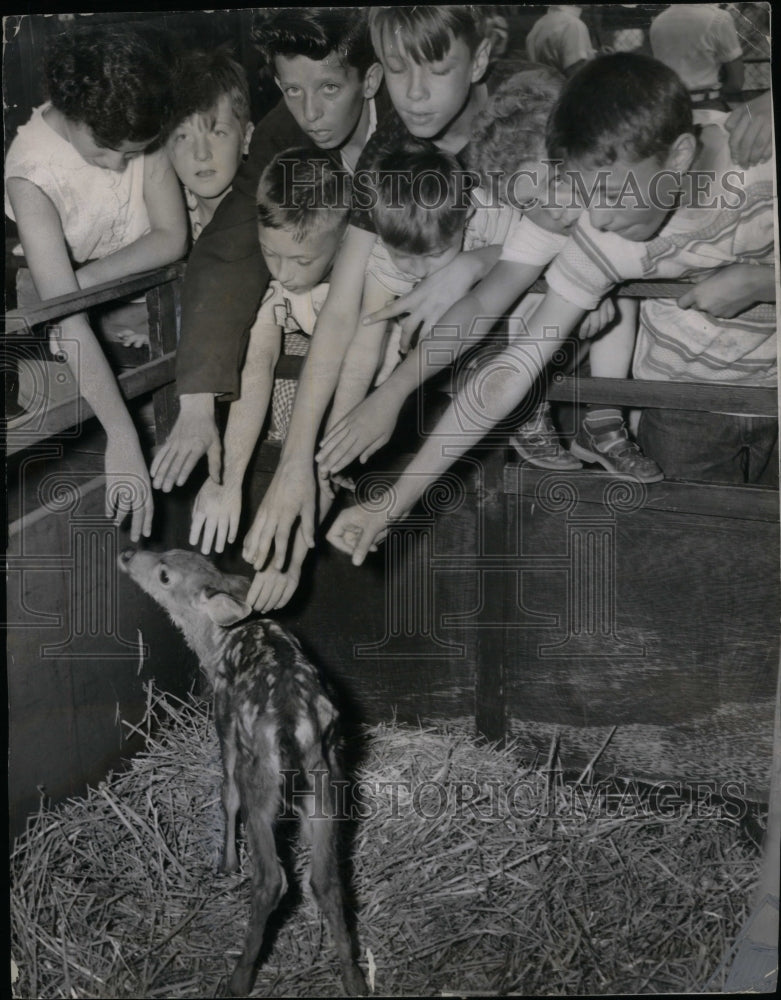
(94, 200)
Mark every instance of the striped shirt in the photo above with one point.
(676, 344)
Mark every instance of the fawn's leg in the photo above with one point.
(231, 800)
(321, 828)
(268, 887)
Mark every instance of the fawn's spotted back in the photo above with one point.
(274, 716)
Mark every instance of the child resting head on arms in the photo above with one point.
(92, 205)
(211, 129)
(510, 130)
(303, 210)
(424, 216)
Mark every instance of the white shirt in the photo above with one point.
(695, 39)
(559, 39)
(101, 210)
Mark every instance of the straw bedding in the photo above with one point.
(470, 872)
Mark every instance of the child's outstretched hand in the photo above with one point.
(290, 500)
(216, 512)
(731, 290)
(364, 430)
(194, 434)
(272, 587)
(358, 531)
(128, 487)
(431, 298)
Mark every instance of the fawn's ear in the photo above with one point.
(222, 608)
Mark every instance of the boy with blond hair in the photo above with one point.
(300, 229)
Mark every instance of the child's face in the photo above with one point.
(420, 266)
(206, 157)
(81, 138)
(325, 97)
(632, 199)
(429, 96)
(564, 204)
(299, 265)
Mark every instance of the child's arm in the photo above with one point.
(217, 507)
(40, 230)
(364, 355)
(751, 131)
(424, 306)
(369, 425)
(292, 493)
(611, 351)
(502, 386)
(166, 240)
(732, 290)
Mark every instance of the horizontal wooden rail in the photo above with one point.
(699, 396)
(637, 289)
(740, 502)
(160, 371)
(29, 428)
(20, 320)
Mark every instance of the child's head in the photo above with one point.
(322, 61)
(303, 209)
(431, 56)
(113, 86)
(623, 131)
(211, 121)
(420, 205)
(508, 145)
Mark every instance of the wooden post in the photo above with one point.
(164, 313)
(490, 705)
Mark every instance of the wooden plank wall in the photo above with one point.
(654, 609)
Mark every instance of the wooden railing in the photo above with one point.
(162, 288)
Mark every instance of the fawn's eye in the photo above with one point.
(163, 575)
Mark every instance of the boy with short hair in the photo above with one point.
(624, 130)
(434, 60)
(323, 62)
(300, 228)
(211, 129)
(424, 219)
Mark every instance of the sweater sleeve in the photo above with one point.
(226, 274)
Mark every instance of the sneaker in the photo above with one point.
(537, 442)
(611, 447)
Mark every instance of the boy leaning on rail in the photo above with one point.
(624, 132)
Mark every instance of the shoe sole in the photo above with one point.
(595, 458)
(550, 466)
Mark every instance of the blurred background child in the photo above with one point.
(700, 42)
